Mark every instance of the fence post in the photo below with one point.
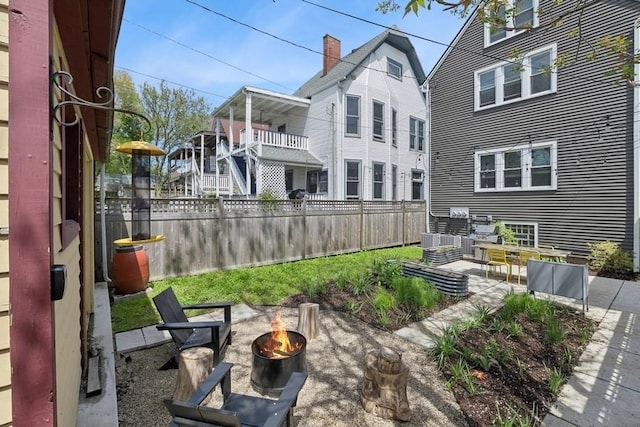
(219, 227)
(304, 228)
(403, 224)
(361, 224)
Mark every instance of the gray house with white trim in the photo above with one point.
(553, 154)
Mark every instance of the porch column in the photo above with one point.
(200, 190)
(217, 154)
(249, 137)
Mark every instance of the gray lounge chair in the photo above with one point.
(213, 334)
(238, 410)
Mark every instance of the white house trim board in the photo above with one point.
(636, 151)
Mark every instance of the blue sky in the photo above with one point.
(184, 44)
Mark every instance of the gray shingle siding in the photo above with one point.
(594, 196)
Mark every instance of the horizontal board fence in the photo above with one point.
(211, 234)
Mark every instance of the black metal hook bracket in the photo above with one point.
(62, 78)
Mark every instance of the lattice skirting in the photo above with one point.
(272, 178)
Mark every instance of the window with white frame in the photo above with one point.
(352, 174)
(394, 182)
(417, 184)
(378, 180)
(288, 180)
(510, 82)
(529, 167)
(317, 182)
(352, 119)
(378, 121)
(416, 134)
(394, 69)
(516, 16)
(525, 232)
(394, 127)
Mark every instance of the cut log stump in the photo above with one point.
(384, 391)
(194, 365)
(308, 315)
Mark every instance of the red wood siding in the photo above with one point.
(32, 343)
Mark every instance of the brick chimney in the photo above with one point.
(331, 53)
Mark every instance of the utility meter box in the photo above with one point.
(462, 213)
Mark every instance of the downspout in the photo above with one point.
(103, 228)
(636, 151)
(426, 89)
(339, 132)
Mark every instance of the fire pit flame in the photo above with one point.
(278, 345)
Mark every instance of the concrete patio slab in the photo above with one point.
(101, 410)
(602, 291)
(628, 298)
(589, 401)
(618, 367)
(130, 341)
(553, 421)
(620, 330)
(152, 336)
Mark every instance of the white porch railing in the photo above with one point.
(209, 182)
(276, 139)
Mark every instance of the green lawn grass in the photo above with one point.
(266, 285)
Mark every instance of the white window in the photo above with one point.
(394, 182)
(530, 167)
(317, 182)
(513, 18)
(526, 232)
(394, 69)
(353, 116)
(352, 179)
(417, 184)
(378, 121)
(378, 181)
(416, 134)
(510, 82)
(394, 128)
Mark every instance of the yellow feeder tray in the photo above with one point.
(127, 241)
(129, 147)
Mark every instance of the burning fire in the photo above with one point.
(278, 345)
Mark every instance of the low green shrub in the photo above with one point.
(415, 293)
(610, 260)
(384, 271)
(383, 300)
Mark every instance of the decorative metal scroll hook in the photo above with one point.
(62, 78)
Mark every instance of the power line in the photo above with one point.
(282, 39)
(450, 45)
(206, 54)
(169, 81)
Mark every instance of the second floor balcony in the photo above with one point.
(275, 139)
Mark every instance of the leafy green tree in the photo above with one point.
(499, 15)
(126, 127)
(176, 115)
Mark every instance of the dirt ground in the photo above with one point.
(331, 395)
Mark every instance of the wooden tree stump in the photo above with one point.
(384, 391)
(308, 314)
(194, 365)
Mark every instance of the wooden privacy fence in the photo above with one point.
(210, 234)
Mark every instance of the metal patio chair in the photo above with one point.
(497, 258)
(237, 410)
(213, 334)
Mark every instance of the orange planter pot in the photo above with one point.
(130, 269)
